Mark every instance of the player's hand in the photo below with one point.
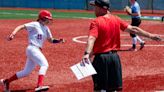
(156, 37)
(10, 37)
(127, 10)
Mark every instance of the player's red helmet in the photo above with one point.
(45, 14)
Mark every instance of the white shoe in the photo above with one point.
(2, 82)
(42, 88)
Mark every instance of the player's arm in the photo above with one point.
(51, 39)
(54, 40)
(128, 10)
(141, 32)
(17, 29)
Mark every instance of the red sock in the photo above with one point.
(40, 80)
(12, 78)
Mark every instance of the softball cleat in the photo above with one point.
(41, 88)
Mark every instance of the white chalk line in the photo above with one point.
(76, 39)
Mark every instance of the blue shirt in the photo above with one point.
(136, 9)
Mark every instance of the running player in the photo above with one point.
(38, 32)
(136, 21)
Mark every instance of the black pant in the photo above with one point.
(162, 18)
(109, 71)
(135, 22)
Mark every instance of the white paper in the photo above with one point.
(82, 71)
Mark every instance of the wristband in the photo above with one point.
(55, 41)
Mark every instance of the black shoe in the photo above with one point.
(142, 45)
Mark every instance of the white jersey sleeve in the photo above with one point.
(49, 34)
(30, 26)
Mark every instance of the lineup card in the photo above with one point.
(82, 71)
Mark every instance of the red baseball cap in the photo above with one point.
(45, 14)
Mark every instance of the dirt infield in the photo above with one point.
(143, 71)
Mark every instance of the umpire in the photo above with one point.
(104, 42)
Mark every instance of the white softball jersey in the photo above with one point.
(136, 9)
(38, 33)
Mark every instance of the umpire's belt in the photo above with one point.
(109, 52)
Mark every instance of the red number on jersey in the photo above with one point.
(39, 37)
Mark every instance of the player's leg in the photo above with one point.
(42, 62)
(40, 59)
(142, 43)
(139, 39)
(29, 66)
(137, 22)
(134, 42)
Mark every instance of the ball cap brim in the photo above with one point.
(92, 2)
(101, 3)
(50, 18)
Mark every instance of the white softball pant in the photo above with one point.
(34, 57)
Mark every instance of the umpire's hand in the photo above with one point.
(155, 37)
(85, 60)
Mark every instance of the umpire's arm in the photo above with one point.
(90, 43)
(141, 32)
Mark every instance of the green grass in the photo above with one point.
(17, 14)
(32, 14)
